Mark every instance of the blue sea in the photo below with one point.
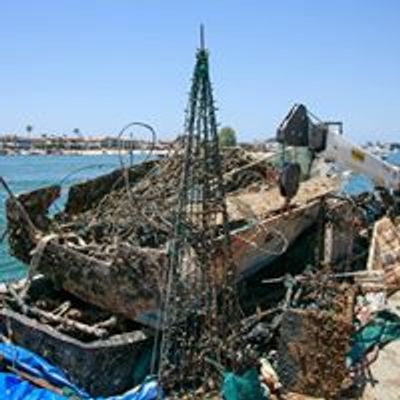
(25, 173)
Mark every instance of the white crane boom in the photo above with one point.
(359, 160)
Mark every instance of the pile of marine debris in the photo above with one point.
(322, 339)
(305, 341)
(108, 246)
(102, 258)
(96, 265)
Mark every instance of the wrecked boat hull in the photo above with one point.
(102, 367)
(129, 283)
(108, 286)
(257, 246)
(135, 295)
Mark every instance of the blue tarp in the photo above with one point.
(13, 387)
(26, 361)
(147, 391)
(384, 328)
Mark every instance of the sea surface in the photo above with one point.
(25, 173)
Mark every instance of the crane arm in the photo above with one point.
(298, 129)
(345, 153)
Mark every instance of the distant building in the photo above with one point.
(50, 143)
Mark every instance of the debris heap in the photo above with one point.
(108, 247)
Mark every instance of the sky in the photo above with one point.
(97, 65)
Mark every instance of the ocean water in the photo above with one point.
(25, 173)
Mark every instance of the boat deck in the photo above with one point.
(266, 202)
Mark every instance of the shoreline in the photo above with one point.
(84, 153)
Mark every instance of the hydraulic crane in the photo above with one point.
(326, 140)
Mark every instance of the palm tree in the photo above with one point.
(29, 129)
(77, 132)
